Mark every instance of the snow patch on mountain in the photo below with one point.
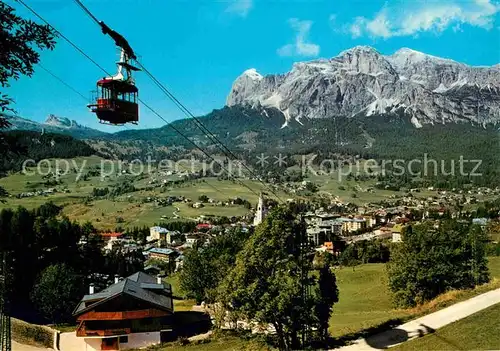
(61, 122)
(441, 88)
(416, 122)
(253, 74)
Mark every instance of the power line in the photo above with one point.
(194, 144)
(81, 95)
(202, 127)
(63, 82)
(228, 153)
(87, 11)
(186, 111)
(146, 105)
(62, 36)
(60, 80)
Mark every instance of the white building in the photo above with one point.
(353, 224)
(191, 240)
(155, 233)
(322, 228)
(396, 237)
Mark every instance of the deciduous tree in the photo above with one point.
(270, 281)
(57, 292)
(432, 261)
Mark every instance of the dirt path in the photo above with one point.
(426, 324)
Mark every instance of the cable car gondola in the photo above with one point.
(116, 102)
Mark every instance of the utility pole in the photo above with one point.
(304, 276)
(5, 326)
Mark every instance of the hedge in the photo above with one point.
(32, 334)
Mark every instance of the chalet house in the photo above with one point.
(135, 312)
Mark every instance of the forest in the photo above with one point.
(248, 132)
(50, 261)
(18, 146)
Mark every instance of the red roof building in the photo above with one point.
(107, 236)
(204, 226)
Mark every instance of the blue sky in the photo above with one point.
(197, 48)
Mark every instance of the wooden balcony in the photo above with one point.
(83, 331)
(123, 315)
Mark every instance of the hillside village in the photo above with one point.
(330, 229)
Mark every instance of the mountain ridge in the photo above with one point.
(361, 80)
(55, 124)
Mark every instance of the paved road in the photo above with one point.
(22, 347)
(69, 342)
(426, 324)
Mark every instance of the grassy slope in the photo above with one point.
(365, 302)
(480, 331)
(222, 343)
(103, 212)
(365, 299)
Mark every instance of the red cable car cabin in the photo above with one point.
(117, 96)
(116, 102)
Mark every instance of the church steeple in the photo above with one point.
(259, 214)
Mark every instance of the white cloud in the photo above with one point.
(301, 46)
(380, 26)
(240, 7)
(356, 29)
(430, 17)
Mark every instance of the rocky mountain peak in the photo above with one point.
(61, 122)
(363, 81)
